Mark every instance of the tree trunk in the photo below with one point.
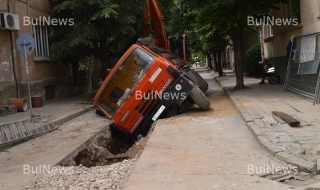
(103, 56)
(224, 53)
(216, 69)
(219, 63)
(209, 61)
(75, 71)
(237, 39)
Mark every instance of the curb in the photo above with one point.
(62, 120)
(66, 160)
(56, 122)
(258, 134)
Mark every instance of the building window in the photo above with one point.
(268, 30)
(41, 35)
(293, 11)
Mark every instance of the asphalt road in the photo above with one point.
(204, 150)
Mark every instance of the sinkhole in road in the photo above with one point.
(106, 148)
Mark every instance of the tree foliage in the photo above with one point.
(102, 27)
(190, 17)
(252, 57)
(203, 19)
(231, 17)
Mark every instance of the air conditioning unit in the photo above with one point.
(10, 21)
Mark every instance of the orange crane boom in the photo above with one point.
(154, 24)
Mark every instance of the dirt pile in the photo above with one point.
(104, 147)
(93, 155)
(92, 168)
(80, 177)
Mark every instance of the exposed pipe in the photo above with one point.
(13, 60)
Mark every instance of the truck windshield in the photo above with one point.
(123, 80)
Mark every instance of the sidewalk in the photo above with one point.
(50, 149)
(299, 146)
(25, 162)
(61, 111)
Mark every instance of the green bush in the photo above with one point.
(252, 58)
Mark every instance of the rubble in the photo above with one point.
(91, 169)
(7, 110)
(270, 121)
(80, 177)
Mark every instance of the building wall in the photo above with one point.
(275, 47)
(230, 57)
(248, 39)
(42, 72)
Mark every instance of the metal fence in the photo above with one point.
(88, 73)
(303, 66)
(86, 76)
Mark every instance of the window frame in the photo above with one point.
(268, 31)
(289, 12)
(41, 32)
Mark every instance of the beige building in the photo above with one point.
(248, 40)
(297, 18)
(49, 80)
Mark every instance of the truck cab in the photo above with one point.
(140, 89)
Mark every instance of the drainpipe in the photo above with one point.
(261, 43)
(13, 60)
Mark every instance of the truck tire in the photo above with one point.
(199, 98)
(193, 75)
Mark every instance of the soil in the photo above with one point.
(105, 146)
(91, 170)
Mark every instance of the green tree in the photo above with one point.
(252, 57)
(231, 17)
(102, 27)
(227, 16)
(211, 41)
(188, 17)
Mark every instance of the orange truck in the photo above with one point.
(147, 83)
(143, 87)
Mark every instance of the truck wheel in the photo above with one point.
(199, 98)
(139, 137)
(193, 75)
